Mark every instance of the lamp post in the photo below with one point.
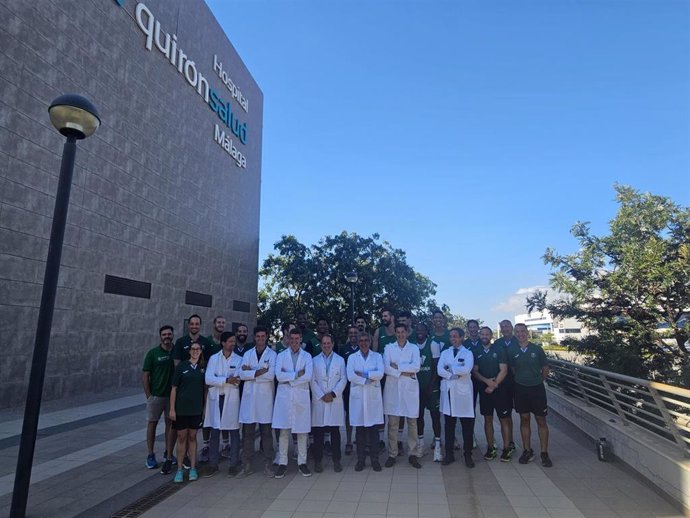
(75, 118)
(351, 278)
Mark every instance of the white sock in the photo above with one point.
(400, 435)
(206, 442)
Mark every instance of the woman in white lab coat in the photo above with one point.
(457, 401)
(365, 371)
(223, 401)
(292, 410)
(327, 408)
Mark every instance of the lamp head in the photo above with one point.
(74, 116)
(351, 277)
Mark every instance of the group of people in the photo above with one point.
(304, 389)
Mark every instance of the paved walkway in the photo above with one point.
(90, 462)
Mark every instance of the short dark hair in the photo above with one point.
(423, 325)
(387, 308)
(296, 331)
(225, 335)
(399, 324)
(326, 335)
(322, 317)
(352, 327)
(260, 329)
(194, 316)
(215, 319)
(459, 330)
(163, 328)
(405, 314)
(470, 321)
(285, 326)
(361, 316)
(487, 327)
(437, 311)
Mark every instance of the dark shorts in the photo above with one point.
(499, 401)
(346, 399)
(184, 422)
(430, 401)
(530, 399)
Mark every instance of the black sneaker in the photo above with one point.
(304, 470)
(166, 469)
(382, 446)
(506, 455)
(469, 461)
(337, 466)
(233, 471)
(400, 448)
(390, 462)
(526, 457)
(375, 465)
(512, 447)
(546, 460)
(327, 448)
(414, 462)
(447, 460)
(491, 453)
(318, 467)
(280, 472)
(186, 463)
(359, 466)
(209, 471)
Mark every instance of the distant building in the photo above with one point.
(543, 322)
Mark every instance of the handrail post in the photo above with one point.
(612, 395)
(669, 420)
(580, 386)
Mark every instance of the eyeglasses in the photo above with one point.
(195, 349)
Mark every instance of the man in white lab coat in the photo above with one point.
(223, 403)
(292, 410)
(257, 372)
(457, 399)
(327, 409)
(365, 371)
(401, 362)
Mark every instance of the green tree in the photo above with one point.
(312, 279)
(631, 288)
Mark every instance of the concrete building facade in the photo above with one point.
(544, 322)
(164, 211)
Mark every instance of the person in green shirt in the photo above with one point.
(241, 336)
(182, 345)
(507, 340)
(308, 336)
(323, 328)
(429, 390)
(187, 406)
(530, 367)
(156, 377)
(385, 333)
(489, 372)
(441, 334)
(350, 347)
(285, 332)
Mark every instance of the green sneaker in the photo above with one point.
(193, 475)
(179, 476)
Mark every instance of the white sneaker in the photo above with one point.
(421, 451)
(438, 454)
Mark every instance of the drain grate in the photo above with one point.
(148, 501)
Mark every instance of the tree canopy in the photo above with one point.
(312, 279)
(631, 288)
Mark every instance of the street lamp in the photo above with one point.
(351, 278)
(75, 118)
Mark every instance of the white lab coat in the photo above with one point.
(401, 393)
(334, 380)
(292, 408)
(366, 402)
(218, 370)
(257, 395)
(457, 399)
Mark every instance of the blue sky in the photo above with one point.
(470, 134)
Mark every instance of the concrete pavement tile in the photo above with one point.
(525, 501)
(398, 509)
(433, 511)
(565, 513)
(347, 496)
(409, 497)
(312, 506)
(284, 504)
(531, 512)
(277, 514)
(320, 494)
(557, 502)
(374, 496)
(301, 514)
(342, 507)
(380, 508)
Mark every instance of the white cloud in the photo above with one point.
(515, 303)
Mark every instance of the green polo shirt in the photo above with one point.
(488, 361)
(190, 384)
(308, 336)
(527, 364)
(214, 348)
(182, 345)
(443, 340)
(346, 351)
(159, 364)
(470, 345)
(384, 339)
(280, 347)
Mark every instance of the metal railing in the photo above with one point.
(663, 410)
